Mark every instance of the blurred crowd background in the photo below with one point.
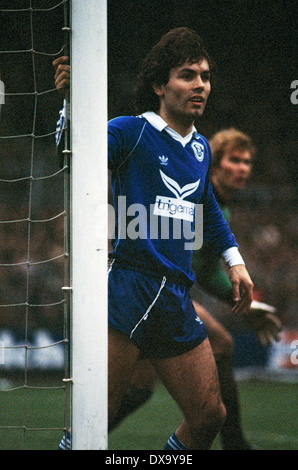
(254, 46)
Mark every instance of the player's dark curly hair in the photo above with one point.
(176, 47)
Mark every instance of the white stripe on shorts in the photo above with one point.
(110, 265)
(144, 317)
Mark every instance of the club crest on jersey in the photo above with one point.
(198, 150)
(177, 207)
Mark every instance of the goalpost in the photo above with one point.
(89, 224)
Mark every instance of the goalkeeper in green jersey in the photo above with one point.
(233, 153)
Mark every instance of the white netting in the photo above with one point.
(34, 219)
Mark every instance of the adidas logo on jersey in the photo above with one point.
(163, 160)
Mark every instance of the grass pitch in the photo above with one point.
(269, 416)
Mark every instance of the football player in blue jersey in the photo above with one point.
(232, 152)
(160, 166)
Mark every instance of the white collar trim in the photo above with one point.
(160, 124)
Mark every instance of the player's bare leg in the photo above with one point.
(220, 339)
(191, 379)
(231, 434)
(123, 355)
(138, 393)
(144, 375)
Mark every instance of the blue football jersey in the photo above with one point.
(156, 184)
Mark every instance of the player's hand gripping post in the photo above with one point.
(62, 75)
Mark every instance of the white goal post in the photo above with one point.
(89, 222)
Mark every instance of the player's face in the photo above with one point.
(234, 169)
(184, 97)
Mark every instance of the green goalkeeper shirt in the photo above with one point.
(208, 269)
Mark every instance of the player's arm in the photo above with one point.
(62, 84)
(210, 275)
(260, 316)
(218, 235)
(213, 278)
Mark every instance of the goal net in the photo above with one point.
(53, 226)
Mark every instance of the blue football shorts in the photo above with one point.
(155, 313)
